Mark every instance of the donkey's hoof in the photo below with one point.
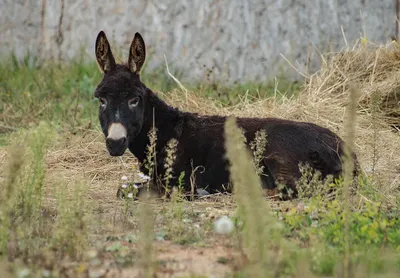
(201, 192)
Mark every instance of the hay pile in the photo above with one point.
(373, 69)
(84, 158)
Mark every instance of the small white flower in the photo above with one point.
(123, 186)
(143, 176)
(130, 195)
(223, 225)
(124, 178)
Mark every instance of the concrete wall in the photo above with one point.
(242, 39)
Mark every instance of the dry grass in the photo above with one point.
(374, 69)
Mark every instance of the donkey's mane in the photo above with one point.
(196, 120)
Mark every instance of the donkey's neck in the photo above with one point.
(167, 120)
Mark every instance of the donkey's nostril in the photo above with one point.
(116, 146)
(115, 141)
(123, 141)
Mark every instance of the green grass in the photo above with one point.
(62, 94)
(42, 229)
(232, 94)
(58, 94)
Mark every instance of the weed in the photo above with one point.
(169, 162)
(150, 161)
(311, 185)
(259, 146)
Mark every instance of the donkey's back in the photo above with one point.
(286, 145)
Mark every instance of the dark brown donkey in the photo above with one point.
(126, 113)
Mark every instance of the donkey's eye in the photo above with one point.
(103, 103)
(133, 102)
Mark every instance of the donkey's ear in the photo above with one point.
(104, 56)
(137, 54)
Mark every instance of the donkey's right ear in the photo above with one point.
(137, 54)
(104, 57)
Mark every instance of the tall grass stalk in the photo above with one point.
(374, 113)
(146, 221)
(253, 210)
(150, 161)
(348, 173)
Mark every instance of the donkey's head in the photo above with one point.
(121, 94)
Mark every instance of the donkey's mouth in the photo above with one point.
(116, 147)
(116, 152)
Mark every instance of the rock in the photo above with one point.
(223, 225)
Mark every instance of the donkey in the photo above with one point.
(129, 110)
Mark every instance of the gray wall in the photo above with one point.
(242, 39)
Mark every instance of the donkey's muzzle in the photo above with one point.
(116, 141)
(116, 147)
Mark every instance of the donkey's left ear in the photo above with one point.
(104, 56)
(137, 54)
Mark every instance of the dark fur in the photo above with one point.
(201, 138)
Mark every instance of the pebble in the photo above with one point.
(223, 225)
